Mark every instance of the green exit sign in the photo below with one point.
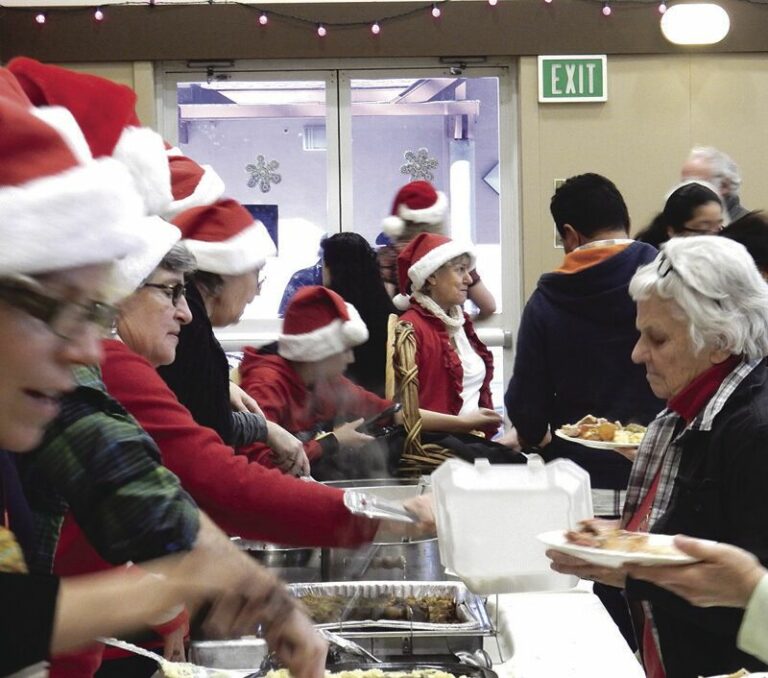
(573, 78)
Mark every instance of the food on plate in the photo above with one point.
(600, 429)
(326, 609)
(595, 534)
(374, 673)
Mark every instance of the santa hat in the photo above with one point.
(57, 212)
(192, 185)
(225, 238)
(421, 258)
(417, 202)
(156, 237)
(105, 111)
(318, 323)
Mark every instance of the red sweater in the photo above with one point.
(245, 499)
(285, 400)
(440, 372)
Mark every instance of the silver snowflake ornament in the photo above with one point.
(419, 165)
(263, 173)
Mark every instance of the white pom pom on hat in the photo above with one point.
(417, 202)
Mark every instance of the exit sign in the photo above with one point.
(573, 78)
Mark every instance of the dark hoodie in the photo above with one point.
(573, 353)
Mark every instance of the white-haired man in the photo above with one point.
(710, 164)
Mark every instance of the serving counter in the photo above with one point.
(558, 635)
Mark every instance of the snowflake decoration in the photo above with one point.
(419, 165)
(263, 173)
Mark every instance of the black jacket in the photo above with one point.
(721, 493)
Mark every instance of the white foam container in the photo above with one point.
(488, 517)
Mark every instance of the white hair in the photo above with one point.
(716, 286)
(725, 172)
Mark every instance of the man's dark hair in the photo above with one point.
(752, 232)
(590, 203)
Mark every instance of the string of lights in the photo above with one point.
(432, 10)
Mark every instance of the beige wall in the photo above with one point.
(657, 108)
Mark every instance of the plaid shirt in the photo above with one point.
(97, 461)
(662, 447)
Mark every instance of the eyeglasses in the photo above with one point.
(665, 267)
(260, 283)
(712, 230)
(66, 319)
(173, 292)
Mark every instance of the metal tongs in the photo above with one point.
(362, 504)
(348, 646)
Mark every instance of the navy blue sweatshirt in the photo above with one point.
(572, 358)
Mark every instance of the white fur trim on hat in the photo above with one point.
(434, 214)
(76, 218)
(65, 124)
(335, 337)
(208, 190)
(142, 151)
(435, 258)
(244, 252)
(157, 238)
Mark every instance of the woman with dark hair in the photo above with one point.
(350, 269)
(693, 208)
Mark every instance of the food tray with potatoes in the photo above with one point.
(600, 433)
(445, 607)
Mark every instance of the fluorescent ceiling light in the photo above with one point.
(695, 24)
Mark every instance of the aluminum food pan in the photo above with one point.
(470, 608)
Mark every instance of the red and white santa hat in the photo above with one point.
(56, 210)
(225, 238)
(417, 202)
(421, 258)
(318, 323)
(106, 114)
(192, 185)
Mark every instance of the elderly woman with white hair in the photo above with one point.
(702, 468)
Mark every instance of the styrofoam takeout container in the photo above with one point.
(488, 517)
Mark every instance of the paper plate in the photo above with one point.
(557, 541)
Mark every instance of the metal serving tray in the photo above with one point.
(469, 608)
(456, 668)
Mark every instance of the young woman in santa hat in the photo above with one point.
(455, 367)
(63, 219)
(299, 383)
(419, 208)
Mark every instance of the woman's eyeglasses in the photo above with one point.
(173, 292)
(66, 319)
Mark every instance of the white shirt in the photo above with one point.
(474, 372)
(753, 634)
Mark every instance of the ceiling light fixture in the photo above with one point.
(695, 24)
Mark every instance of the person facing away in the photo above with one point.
(351, 270)
(577, 331)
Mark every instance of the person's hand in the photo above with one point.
(240, 401)
(726, 575)
(287, 451)
(422, 507)
(348, 436)
(566, 564)
(627, 452)
(173, 644)
(480, 419)
(510, 439)
(298, 645)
